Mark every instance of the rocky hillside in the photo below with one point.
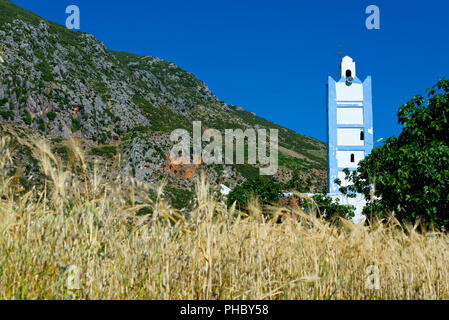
(55, 82)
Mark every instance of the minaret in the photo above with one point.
(349, 122)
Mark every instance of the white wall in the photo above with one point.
(349, 115)
(352, 93)
(344, 158)
(349, 137)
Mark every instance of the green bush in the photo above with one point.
(7, 115)
(297, 183)
(27, 118)
(41, 124)
(51, 116)
(411, 172)
(268, 192)
(264, 188)
(45, 69)
(105, 151)
(180, 198)
(328, 207)
(76, 125)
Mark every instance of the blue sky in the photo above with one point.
(273, 57)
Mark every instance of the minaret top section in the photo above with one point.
(347, 68)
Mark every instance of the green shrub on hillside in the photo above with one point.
(105, 151)
(76, 125)
(46, 71)
(7, 115)
(27, 118)
(40, 124)
(51, 116)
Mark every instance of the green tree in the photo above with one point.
(329, 208)
(264, 188)
(268, 191)
(297, 183)
(410, 173)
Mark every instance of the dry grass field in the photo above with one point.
(80, 238)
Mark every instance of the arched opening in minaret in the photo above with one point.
(362, 136)
(352, 158)
(348, 73)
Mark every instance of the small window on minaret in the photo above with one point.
(362, 136)
(352, 158)
(348, 73)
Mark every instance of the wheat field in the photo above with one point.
(78, 237)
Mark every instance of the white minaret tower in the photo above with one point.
(350, 122)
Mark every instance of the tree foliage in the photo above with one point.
(268, 191)
(329, 208)
(410, 173)
(265, 189)
(297, 183)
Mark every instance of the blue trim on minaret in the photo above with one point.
(332, 167)
(368, 116)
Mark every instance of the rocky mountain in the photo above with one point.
(55, 82)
